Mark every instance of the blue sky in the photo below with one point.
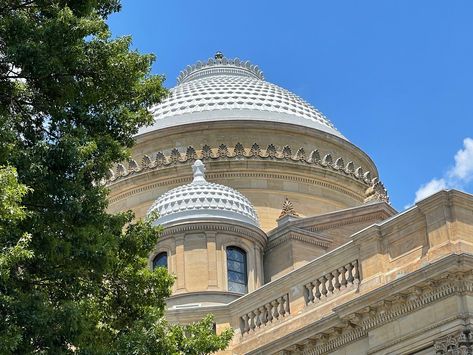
(395, 77)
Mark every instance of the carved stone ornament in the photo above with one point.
(288, 209)
(456, 344)
(375, 190)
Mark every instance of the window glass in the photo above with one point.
(236, 270)
(161, 260)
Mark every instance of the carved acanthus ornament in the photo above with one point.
(288, 209)
(375, 190)
(456, 344)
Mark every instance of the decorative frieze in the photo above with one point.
(332, 282)
(267, 313)
(374, 190)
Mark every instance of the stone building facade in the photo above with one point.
(280, 227)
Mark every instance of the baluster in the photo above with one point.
(281, 310)
(349, 267)
(251, 317)
(286, 303)
(330, 283)
(246, 325)
(262, 312)
(317, 289)
(275, 309)
(257, 318)
(343, 273)
(269, 313)
(324, 286)
(310, 294)
(336, 274)
(357, 271)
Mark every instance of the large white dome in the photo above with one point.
(229, 89)
(202, 200)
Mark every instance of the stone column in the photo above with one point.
(212, 261)
(180, 264)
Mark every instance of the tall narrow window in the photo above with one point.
(160, 260)
(236, 270)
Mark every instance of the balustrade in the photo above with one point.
(328, 284)
(267, 313)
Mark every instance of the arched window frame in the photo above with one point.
(237, 269)
(158, 260)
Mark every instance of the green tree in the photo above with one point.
(74, 278)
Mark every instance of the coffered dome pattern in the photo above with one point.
(229, 89)
(203, 200)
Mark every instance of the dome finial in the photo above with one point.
(218, 55)
(198, 168)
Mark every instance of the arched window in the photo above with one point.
(160, 260)
(236, 270)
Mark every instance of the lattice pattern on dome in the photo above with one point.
(231, 92)
(202, 198)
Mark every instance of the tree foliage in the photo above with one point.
(74, 278)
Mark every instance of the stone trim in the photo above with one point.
(213, 176)
(222, 152)
(219, 63)
(218, 226)
(301, 235)
(319, 227)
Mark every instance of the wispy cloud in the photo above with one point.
(456, 177)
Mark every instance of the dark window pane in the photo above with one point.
(161, 260)
(236, 266)
(236, 277)
(236, 270)
(236, 255)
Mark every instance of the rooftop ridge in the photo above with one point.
(220, 65)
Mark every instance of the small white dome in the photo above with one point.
(203, 200)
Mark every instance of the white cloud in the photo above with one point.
(463, 168)
(430, 188)
(456, 177)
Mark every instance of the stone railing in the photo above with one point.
(265, 314)
(269, 307)
(332, 282)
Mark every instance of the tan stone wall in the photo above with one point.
(198, 260)
(313, 188)
(403, 299)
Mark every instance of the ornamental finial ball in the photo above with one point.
(218, 55)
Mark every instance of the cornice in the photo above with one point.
(241, 230)
(347, 221)
(299, 234)
(363, 213)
